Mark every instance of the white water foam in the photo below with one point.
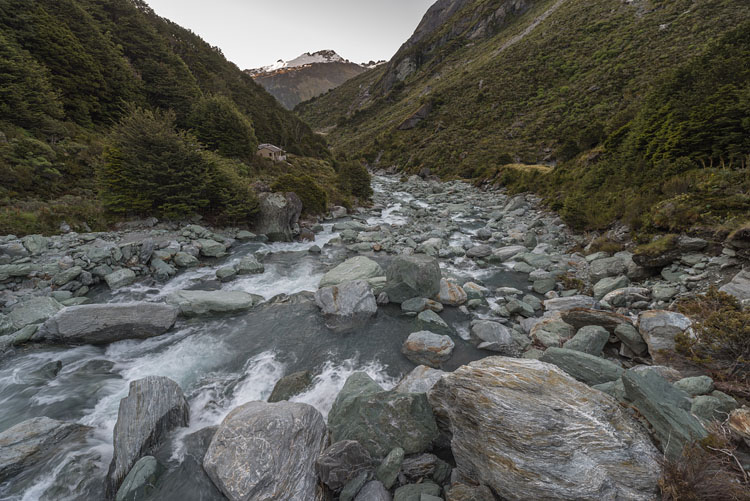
(277, 281)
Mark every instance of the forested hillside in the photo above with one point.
(615, 110)
(82, 82)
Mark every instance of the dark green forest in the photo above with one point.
(108, 111)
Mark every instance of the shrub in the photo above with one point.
(314, 198)
(231, 198)
(706, 470)
(721, 333)
(354, 179)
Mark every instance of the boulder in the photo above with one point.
(425, 466)
(428, 348)
(739, 423)
(290, 385)
(552, 331)
(694, 386)
(355, 268)
(226, 273)
(33, 441)
(389, 468)
(658, 329)
(479, 251)
(249, 265)
(66, 276)
(120, 278)
(278, 213)
(420, 380)
(494, 336)
(342, 462)
(607, 267)
(141, 481)
(420, 304)
(584, 445)
(581, 317)
(568, 303)
(192, 303)
(609, 284)
(464, 492)
(590, 339)
(739, 286)
(185, 260)
(412, 276)
(265, 451)
(586, 368)
(381, 420)
(373, 491)
(354, 486)
(666, 408)
(505, 253)
(107, 323)
(631, 338)
(713, 407)
(33, 311)
(428, 320)
(346, 306)
(626, 296)
(451, 294)
(417, 492)
(210, 248)
(154, 406)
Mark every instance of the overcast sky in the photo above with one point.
(254, 33)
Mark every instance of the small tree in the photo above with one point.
(152, 168)
(219, 125)
(354, 179)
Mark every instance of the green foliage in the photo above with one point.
(314, 198)
(220, 126)
(82, 212)
(657, 247)
(354, 178)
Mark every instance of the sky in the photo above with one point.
(254, 33)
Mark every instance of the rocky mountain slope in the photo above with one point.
(563, 97)
(305, 77)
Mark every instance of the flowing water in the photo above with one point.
(220, 362)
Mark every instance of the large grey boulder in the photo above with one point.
(154, 406)
(192, 303)
(346, 306)
(381, 420)
(584, 446)
(355, 268)
(278, 213)
(451, 294)
(412, 276)
(494, 336)
(290, 385)
(586, 368)
(342, 462)
(666, 408)
(249, 265)
(263, 452)
(107, 323)
(606, 267)
(33, 441)
(33, 311)
(609, 284)
(428, 348)
(659, 328)
(428, 320)
(210, 247)
(373, 491)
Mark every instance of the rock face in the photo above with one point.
(412, 276)
(346, 306)
(584, 446)
(355, 268)
(381, 420)
(428, 348)
(342, 462)
(666, 408)
(32, 441)
(154, 406)
(278, 213)
(107, 323)
(267, 451)
(193, 303)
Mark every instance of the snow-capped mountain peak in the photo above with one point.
(322, 56)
